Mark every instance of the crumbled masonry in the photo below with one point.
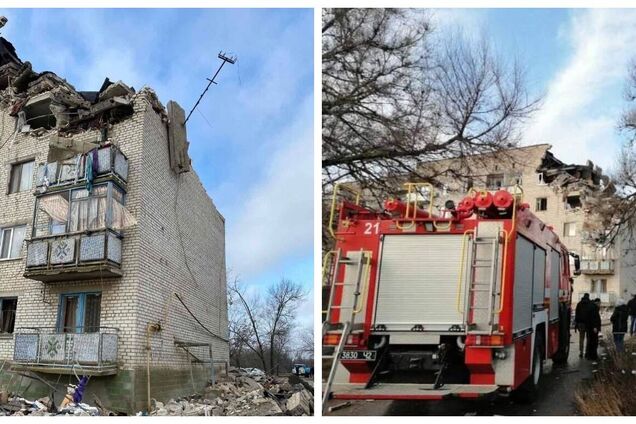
(234, 395)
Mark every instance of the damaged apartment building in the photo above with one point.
(112, 255)
(557, 193)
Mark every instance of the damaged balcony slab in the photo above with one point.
(83, 272)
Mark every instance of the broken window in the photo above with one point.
(79, 313)
(11, 240)
(8, 306)
(494, 181)
(573, 202)
(21, 176)
(468, 184)
(542, 204)
(540, 179)
(569, 229)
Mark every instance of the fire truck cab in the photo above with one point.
(469, 302)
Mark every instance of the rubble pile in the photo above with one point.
(240, 394)
(18, 406)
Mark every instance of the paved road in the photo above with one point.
(556, 397)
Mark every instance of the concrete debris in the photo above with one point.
(18, 406)
(241, 395)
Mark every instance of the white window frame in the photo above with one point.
(2, 231)
(567, 234)
(540, 177)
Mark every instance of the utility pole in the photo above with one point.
(225, 59)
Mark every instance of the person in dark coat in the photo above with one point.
(631, 305)
(581, 318)
(619, 324)
(593, 329)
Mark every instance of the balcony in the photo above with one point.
(607, 298)
(110, 163)
(49, 351)
(80, 256)
(597, 267)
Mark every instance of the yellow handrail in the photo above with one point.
(507, 236)
(410, 187)
(503, 270)
(461, 268)
(366, 279)
(332, 212)
(324, 265)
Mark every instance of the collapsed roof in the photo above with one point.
(570, 176)
(42, 101)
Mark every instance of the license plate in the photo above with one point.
(358, 355)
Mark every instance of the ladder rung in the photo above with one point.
(479, 307)
(344, 284)
(479, 290)
(482, 266)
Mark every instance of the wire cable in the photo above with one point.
(197, 320)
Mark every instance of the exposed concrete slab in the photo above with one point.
(177, 138)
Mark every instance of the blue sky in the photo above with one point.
(254, 154)
(576, 59)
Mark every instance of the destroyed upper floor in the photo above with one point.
(44, 103)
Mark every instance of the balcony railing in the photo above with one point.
(600, 266)
(607, 298)
(47, 350)
(111, 162)
(75, 256)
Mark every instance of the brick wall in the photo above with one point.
(171, 236)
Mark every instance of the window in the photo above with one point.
(21, 177)
(88, 212)
(542, 204)
(494, 181)
(11, 240)
(79, 313)
(540, 178)
(468, 184)
(599, 286)
(8, 306)
(569, 229)
(572, 202)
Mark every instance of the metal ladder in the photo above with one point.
(347, 324)
(480, 290)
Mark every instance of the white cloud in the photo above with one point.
(583, 101)
(275, 219)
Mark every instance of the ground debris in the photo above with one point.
(244, 393)
(19, 406)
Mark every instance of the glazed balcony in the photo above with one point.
(107, 162)
(50, 351)
(77, 234)
(597, 266)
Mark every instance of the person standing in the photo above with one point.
(581, 318)
(619, 324)
(593, 329)
(631, 305)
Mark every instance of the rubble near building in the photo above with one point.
(112, 253)
(236, 394)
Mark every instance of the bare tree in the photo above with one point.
(282, 302)
(393, 97)
(245, 325)
(264, 325)
(613, 210)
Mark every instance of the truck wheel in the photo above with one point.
(530, 388)
(561, 356)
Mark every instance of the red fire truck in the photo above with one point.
(464, 303)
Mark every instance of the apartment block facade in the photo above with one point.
(556, 193)
(112, 254)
